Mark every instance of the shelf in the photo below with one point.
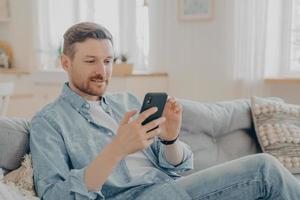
(282, 80)
(143, 73)
(4, 19)
(57, 76)
(15, 71)
(22, 96)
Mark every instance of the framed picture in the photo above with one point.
(193, 10)
(4, 10)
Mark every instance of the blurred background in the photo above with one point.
(203, 50)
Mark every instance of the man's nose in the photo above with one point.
(101, 69)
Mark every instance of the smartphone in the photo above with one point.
(154, 100)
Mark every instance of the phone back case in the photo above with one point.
(152, 100)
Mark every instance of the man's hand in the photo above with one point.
(173, 114)
(133, 136)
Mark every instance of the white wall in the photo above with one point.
(288, 92)
(195, 54)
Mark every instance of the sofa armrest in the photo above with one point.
(14, 142)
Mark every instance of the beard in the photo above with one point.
(93, 86)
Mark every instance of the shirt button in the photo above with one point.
(214, 140)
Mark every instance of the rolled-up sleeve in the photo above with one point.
(53, 176)
(185, 165)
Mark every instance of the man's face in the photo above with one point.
(90, 70)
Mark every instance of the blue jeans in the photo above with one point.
(258, 176)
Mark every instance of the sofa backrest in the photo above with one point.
(216, 132)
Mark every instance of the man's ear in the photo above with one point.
(65, 62)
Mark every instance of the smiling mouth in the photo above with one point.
(98, 80)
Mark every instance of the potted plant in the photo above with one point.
(121, 67)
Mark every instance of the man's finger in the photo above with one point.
(154, 123)
(127, 117)
(171, 99)
(153, 133)
(178, 108)
(144, 115)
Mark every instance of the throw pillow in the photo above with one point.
(21, 179)
(277, 127)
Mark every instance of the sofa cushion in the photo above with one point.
(297, 177)
(13, 142)
(217, 132)
(22, 179)
(277, 126)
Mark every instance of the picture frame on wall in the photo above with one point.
(4, 10)
(195, 10)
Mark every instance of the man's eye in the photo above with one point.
(89, 61)
(108, 61)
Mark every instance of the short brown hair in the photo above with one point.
(82, 31)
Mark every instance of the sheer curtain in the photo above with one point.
(127, 20)
(250, 46)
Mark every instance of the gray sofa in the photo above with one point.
(216, 132)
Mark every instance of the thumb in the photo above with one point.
(127, 117)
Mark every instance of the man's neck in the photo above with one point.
(84, 95)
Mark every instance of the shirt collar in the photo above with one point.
(76, 100)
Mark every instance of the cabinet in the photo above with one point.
(35, 90)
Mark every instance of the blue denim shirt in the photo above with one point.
(64, 139)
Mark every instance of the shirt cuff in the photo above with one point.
(187, 160)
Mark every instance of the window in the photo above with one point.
(283, 39)
(56, 16)
(142, 32)
(294, 58)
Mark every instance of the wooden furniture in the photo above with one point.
(283, 80)
(34, 89)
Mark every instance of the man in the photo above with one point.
(91, 145)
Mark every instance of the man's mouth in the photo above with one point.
(98, 80)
